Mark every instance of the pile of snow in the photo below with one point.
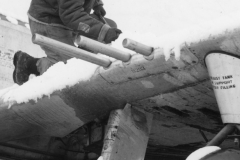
(202, 152)
(172, 42)
(57, 77)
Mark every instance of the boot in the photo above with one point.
(24, 66)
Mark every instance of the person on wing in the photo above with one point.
(62, 20)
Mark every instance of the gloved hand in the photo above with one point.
(112, 35)
(99, 10)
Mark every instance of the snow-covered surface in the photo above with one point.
(56, 78)
(27, 25)
(61, 75)
(12, 20)
(202, 152)
(172, 42)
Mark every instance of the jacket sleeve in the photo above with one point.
(73, 16)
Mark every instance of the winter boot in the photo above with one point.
(24, 66)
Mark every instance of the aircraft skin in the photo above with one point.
(178, 93)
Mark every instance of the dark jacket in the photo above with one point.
(73, 14)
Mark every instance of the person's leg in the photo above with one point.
(23, 66)
(58, 33)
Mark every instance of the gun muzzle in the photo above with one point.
(71, 51)
(137, 47)
(98, 47)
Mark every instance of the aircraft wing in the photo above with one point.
(177, 92)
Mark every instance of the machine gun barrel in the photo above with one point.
(137, 47)
(98, 47)
(71, 51)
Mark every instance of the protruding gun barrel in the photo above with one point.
(137, 47)
(71, 50)
(98, 47)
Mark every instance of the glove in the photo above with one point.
(99, 10)
(112, 35)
